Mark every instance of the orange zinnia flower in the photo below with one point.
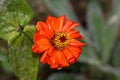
(57, 41)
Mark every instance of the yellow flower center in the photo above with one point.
(61, 40)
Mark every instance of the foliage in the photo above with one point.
(15, 15)
(99, 60)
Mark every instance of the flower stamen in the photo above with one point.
(60, 40)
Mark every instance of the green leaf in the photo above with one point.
(4, 61)
(3, 46)
(3, 56)
(24, 63)
(103, 34)
(58, 9)
(96, 25)
(111, 30)
(13, 15)
(114, 17)
(29, 31)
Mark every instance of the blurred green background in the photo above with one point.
(99, 23)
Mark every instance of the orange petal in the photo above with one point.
(72, 61)
(69, 57)
(48, 20)
(53, 23)
(74, 42)
(76, 51)
(42, 41)
(72, 26)
(44, 57)
(36, 36)
(62, 21)
(47, 54)
(36, 49)
(68, 23)
(58, 58)
(47, 30)
(52, 61)
(39, 26)
(54, 66)
(43, 44)
(51, 51)
(44, 29)
(43, 33)
(61, 59)
(74, 34)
